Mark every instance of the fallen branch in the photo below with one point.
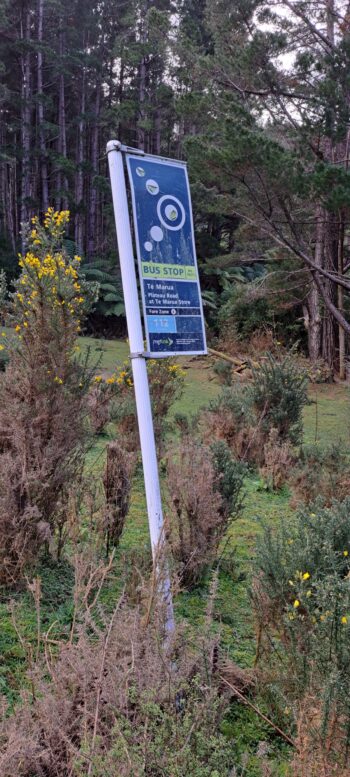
(232, 359)
(258, 712)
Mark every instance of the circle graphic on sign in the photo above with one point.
(157, 234)
(148, 245)
(140, 172)
(152, 186)
(171, 212)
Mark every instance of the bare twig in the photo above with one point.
(258, 712)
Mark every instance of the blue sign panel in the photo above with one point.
(171, 297)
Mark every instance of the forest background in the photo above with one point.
(255, 95)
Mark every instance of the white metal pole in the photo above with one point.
(138, 361)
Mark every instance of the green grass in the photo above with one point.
(200, 382)
(105, 354)
(326, 419)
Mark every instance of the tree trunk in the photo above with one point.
(330, 264)
(7, 196)
(157, 132)
(141, 135)
(25, 119)
(42, 142)
(94, 161)
(121, 91)
(79, 176)
(61, 180)
(313, 319)
(341, 332)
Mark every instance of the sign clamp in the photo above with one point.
(138, 354)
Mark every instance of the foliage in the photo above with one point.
(245, 313)
(110, 300)
(43, 433)
(204, 495)
(319, 372)
(166, 381)
(279, 393)
(119, 698)
(223, 369)
(302, 603)
(278, 461)
(229, 475)
(117, 487)
(321, 471)
(244, 416)
(230, 417)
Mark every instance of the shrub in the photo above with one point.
(278, 462)
(244, 416)
(279, 393)
(166, 382)
(223, 370)
(302, 604)
(120, 703)
(321, 472)
(245, 312)
(117, 487)
(229, 475)
(204, 492)
(99, 405)
(231, 417)
(319, 372)
(42, 394)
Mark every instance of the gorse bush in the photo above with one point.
(119, 703)
(229, 475)
(117, 480)
(244, 416)
(42, 394)
(166, 381)
(223, 370)
(279, 393)
(204, 495)
(113, 399)
(231, 417)
(321, 472)
(302, 604)
(278, 461)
